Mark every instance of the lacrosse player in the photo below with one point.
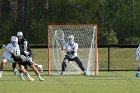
(138, 59)
(26, 51)
(26, 60)
(23, 60)
(71, 54)
(9, 50)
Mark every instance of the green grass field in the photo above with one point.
(105, 82)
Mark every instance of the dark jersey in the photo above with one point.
(21, 45)
(22, 61)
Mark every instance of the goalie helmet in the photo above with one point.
(70, 39)
(20, 35)
(14, 40)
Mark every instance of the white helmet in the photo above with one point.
(19, 35)
(14, 39)
(70, 39)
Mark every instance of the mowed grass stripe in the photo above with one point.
(107, 82)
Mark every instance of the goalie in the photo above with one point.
(71, 54)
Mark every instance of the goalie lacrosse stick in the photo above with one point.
(59, 36)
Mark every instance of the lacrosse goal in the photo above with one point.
(85, 35)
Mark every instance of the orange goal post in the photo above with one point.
(86, 37)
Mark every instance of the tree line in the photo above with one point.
(118, 20)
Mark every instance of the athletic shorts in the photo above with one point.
(25, 63)
(10, 60)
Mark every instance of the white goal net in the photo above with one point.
(85, 36)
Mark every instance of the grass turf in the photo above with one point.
(105, 82)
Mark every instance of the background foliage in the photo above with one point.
(120, 17)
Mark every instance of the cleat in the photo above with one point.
(21, 76)
(138, 74)
(41, 68)
(31, 79)
(85, 72)
(61, 73)
(0, 74)
(41, 79)
(15, 72)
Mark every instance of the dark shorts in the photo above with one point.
(25, 63)
(69, 59)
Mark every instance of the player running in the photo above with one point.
(7, 55)
(71, 54)
(26, 51)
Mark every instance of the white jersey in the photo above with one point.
(7, 55)
(138, 53)
(73, 47)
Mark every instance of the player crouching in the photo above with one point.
(71, 48)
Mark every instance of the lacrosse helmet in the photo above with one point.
(14, 39)
(20, 35)
(70, 39)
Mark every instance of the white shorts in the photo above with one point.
(9, 60)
